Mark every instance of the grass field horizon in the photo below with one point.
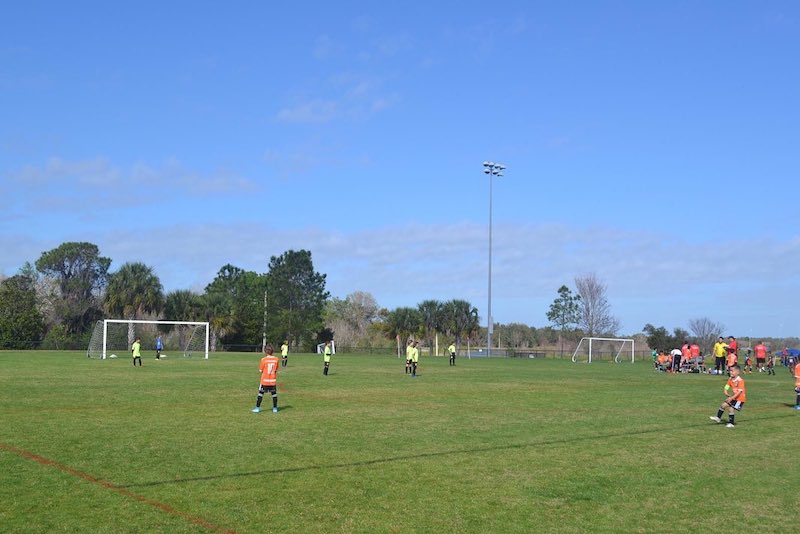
(491, 445)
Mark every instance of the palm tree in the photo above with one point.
(183, 305)
(404, 322)
(461, 318)
(431, 312)
(132, 292)
(220, 317)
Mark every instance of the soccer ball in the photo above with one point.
(113, 356)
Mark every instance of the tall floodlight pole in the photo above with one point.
(264, 338)
(491, 169)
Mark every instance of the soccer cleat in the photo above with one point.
(275, 410)
(256, 409)
(730, 425)
(715, 419)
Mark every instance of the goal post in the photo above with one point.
(592, 342)
(102, 339)
(321, 347)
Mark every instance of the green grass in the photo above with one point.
(488, 446)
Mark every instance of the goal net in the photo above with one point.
(598, 348)
(321, 348)
(114, 337)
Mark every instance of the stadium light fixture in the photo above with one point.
(491, 169)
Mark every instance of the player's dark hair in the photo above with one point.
(268, 350)
(736, 366)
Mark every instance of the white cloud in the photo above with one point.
(325, 47)
(58, 184)
(310, 112)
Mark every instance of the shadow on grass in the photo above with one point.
(401, 458)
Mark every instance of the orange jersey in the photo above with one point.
(797, 375)
(269, 370)
(761, 351)
(732, 359)
(737, 388)
(686, 351)
(695, 350)
(733, 346)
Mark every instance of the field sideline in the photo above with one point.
(500, 445)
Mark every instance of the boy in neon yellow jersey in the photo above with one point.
(136, 352)
(326, 357)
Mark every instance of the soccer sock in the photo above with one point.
(730, 418)
(798, 400)
(719, 413)
(259, 399)
(274, 400)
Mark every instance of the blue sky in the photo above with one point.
(653, 143)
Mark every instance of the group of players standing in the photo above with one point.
(689, 358)
(270, 363)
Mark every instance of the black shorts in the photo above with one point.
(761, 360)
(268, 389)
(736, 405)
(408, 361)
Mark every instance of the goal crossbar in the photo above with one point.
(106, 322)
(617, 356)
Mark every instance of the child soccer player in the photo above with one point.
(285, 353)
(761, 356)
(414, 360)
(409, 352)
(748, 362)
(797, 385)
(735, 397)
(136, 352)
(269, 379)
(452, 350)
(159, 347)
(770, 363)
(326, 357)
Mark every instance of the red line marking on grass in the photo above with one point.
(199, 521)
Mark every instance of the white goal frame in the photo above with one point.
(616, 357)
(106, 322)
(321, 347)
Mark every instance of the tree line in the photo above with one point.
(55, 302)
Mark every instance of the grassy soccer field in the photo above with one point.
(488, 446)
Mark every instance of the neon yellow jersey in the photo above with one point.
(452, 349)
(409, 352)
(719, 349)
(136, 349)
(415, 355)
(327, 355)
(284, 350)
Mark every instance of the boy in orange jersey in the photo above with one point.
(761, 356)
(269, 379)
(735, 397)
(748, 361)
(770, 363)
(732, 358)
(694, 350)
(797, 385)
